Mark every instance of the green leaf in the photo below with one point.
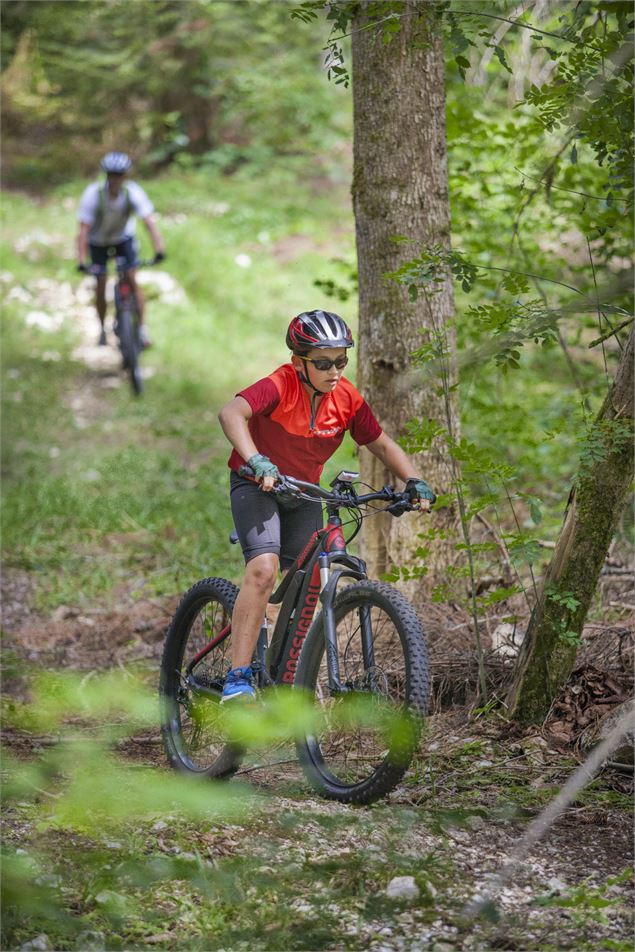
(534, 511)
(499, 595)
(500, 56)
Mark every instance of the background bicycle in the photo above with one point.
(127, 325)
(362, 659)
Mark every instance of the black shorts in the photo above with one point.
(270, 523)
(101, 254)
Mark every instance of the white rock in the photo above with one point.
(20, 294)
(91, 476)
(507, 639)
(402, 887)
(91, 941)
(169, 289)
(46, 322)
(556, 885)
(41, 942)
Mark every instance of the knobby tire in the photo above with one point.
(333, 761)
(193, 743)
(127, 326)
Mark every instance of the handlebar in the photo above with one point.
(96, 269)
(399, 502)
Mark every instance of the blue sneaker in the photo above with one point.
(238, 685)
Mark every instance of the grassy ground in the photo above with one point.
(88, 468)
(110, 862)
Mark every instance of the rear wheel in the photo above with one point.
(368, 733)
(192, 681)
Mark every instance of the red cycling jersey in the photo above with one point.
(298, 442)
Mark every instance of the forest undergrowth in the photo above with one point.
(113, 508)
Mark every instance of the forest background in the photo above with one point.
(245, 147)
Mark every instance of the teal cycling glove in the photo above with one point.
(419, 489)
(262, 466)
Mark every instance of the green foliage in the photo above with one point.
(536, 297)
(219, 84)
(600, 440)
(343, 285)
(589, 903)
(566, 605)
(80, 785)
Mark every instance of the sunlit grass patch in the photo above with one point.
(156, 465)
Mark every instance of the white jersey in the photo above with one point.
(112, 220)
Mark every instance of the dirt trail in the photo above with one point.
(588, 845)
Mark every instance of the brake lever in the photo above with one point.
(402, 505)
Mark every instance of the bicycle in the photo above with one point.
(366, 642)
(126, 318)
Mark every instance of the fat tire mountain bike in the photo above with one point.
(365, 643)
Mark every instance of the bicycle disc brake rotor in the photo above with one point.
(200, 715)
(360, 723)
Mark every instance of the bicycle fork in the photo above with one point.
(327, 598)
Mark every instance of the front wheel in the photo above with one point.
(128, 332)
(196, 659)
(369, 732)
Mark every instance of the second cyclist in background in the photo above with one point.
(106, 214)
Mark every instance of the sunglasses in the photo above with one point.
(323, 363)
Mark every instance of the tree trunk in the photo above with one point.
(546, 658)
(400, 188)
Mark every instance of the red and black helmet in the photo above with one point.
(318, 329)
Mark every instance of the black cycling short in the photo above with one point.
(101, 254)
(267, 522)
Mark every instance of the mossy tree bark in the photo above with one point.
(400, 188)
(546, 658)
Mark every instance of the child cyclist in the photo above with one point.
(291, 422)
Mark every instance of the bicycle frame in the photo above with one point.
(309, 580)
(123, 287)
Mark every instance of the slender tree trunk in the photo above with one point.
(546, 659)
(400, 188)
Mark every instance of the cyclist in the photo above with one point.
(291, 422)
(106, 217)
